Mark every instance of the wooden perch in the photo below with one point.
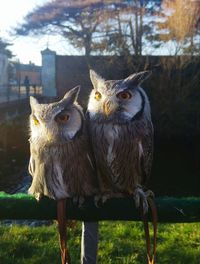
(170, 209)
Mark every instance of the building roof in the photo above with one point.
(31, 67)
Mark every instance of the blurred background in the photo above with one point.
(49, 47)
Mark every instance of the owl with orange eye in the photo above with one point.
(61, 162)
(121, 133)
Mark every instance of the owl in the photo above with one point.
(60, 157)
(121, 132)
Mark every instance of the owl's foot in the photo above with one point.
(142, 196)
(38, 196)
(78, 200)
(106, 197)
(99, 200)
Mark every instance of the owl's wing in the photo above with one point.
(147, 153)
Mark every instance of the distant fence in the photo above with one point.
(14, 101)
(14, 92)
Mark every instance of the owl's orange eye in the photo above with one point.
(124, 95)
(62, 118)
(97, 96)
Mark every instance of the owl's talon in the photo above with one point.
(108, 196)
(78, 200)
(142, 197)
(98, 201)
(75, 200)
(149, 194)
(38, 196)
(105, 197)
(81, 201)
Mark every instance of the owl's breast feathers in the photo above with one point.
(63, 170)
(123, 153)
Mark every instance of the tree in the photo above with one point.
(180, 24)
(94, 25)
(3, 48)
(78, 21)
(131, 28)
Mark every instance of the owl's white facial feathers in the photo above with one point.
(74, 124)
(133, 106)
(120, 108)
(48, 123)
(37, 131)
(50, 131)
(129, 108)
(95, 106)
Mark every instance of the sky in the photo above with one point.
(26, 48)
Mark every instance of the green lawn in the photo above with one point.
(120, 243)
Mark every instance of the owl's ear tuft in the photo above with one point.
(72, 95)
(96, 79)
(33, 102)
(137, 78)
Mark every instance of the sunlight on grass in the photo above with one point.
(120, 243)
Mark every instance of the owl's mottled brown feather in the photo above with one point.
(121, 133)
(63, 170)
(125, 166)
(61, 161)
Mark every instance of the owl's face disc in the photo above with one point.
(56, 122)
(117, 101)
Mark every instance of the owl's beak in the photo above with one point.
(108, 108)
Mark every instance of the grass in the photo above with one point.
(120, 243)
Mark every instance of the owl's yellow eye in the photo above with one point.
(124, 95)
(62, 118)
(98, 96)
(36, 121)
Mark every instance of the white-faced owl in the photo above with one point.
(121, 131)
(61, 163)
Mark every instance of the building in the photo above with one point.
(3, 73)
(32, 71)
